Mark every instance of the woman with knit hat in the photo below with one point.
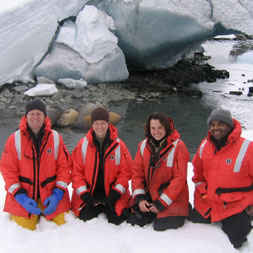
(223, 177)
(159, 176)
(101, 171)
(36, 169)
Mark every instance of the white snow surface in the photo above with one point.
(97, 235)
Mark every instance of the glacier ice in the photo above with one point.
(147, 34)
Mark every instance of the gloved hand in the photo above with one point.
(29, 204)
(87, 199)
(112, 199)
(202, 188)
(52, 201)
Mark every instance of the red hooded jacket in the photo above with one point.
(21, 168)
(170, 170)
(220, 176)
(117, 162)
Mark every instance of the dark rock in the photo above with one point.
(250, 94)
(235, 93)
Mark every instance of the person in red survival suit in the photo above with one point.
(223, 177)
(36, 166)
(101, 171)
(159, 176)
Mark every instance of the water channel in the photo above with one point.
(189, 114)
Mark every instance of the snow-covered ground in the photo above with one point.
(98, 235)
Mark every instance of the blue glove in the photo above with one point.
(29, 204)
(52, 201)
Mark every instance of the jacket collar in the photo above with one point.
(23, 124)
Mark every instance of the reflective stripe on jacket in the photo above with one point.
(229, 168)
(170, 170)
(117, 162)
(21, 168)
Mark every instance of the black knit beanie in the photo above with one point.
(36, 104)
(100, 113)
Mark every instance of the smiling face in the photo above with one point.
(35, 120)
(100, 128)
(219, 129)
(157, 130)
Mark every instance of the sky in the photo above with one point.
(97, 235)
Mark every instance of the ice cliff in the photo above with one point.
(99, 41)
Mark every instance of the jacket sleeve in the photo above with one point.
(9, 166)
(64, 165)
(179, 180)
(77, 175)
(138, 175)
(121, 183)
(197, 163)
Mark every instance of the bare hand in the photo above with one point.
(153, 208)
(249, 210)
(144, 206)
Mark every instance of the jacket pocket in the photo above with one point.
(231, 200)
(48, 182)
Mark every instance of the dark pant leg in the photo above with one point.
(91, 212)
(196, 217)
(171, 222)
(140, 218)
(113, 217)
(237, 227)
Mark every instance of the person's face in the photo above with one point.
(157, 130)
(35, 120)
(100, 127)
(219, 129)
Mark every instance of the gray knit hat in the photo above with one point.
(221, 115)
(100, 113)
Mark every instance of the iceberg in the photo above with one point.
(98, 41)
(86, 49)
(27, 29)
(155, 34)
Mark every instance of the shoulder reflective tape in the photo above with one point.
(166, 199)
(202, 148)
(170, 158)
(13, 187)
(241, 155)
(117, 154)
(62, 184)
(56, 144)
(142, 147)
(138, 191)
(120, 188)
(84, 148)
(81, 189)
(18, 143)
